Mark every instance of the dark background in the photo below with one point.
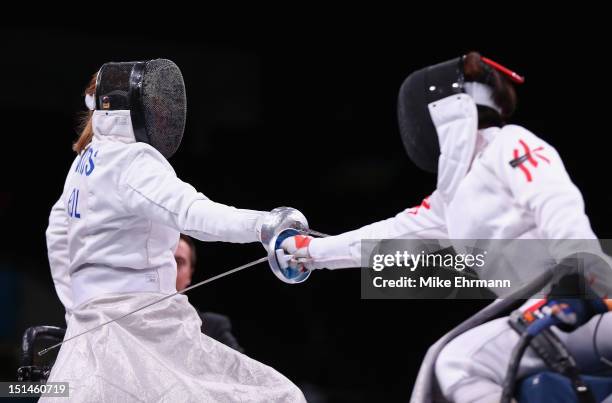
(302, 116)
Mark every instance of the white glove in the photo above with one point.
(297, 247)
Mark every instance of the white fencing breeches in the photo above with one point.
(158, 355)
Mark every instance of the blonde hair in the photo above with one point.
(85, 126)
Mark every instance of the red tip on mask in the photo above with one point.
(504, 70)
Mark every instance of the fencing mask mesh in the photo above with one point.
(416, 127)
(154, 93)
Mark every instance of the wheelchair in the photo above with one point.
(560, 383)
(33, 368)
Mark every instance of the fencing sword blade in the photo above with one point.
(316, 233)
(227, 273)
(201, 283)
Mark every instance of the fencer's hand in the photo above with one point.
(297, 247)
(571, 313)
(573, 303)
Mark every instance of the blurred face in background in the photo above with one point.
(184, 265)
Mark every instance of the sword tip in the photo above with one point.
(45, 350)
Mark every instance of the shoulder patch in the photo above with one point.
(526, 157)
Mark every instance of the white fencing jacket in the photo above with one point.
(116, 225)
(496, 183)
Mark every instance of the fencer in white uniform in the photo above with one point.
(498, 182)
(111, 239)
